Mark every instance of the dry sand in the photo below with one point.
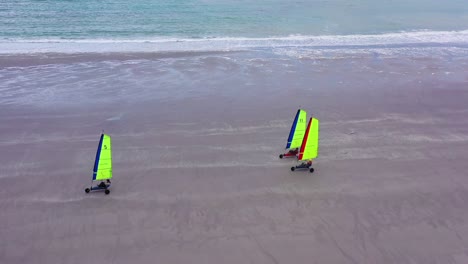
(197, 178)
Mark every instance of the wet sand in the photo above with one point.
(197, 177)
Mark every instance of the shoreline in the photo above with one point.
(415, 39)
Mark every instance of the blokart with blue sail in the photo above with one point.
(296, 135)
(102, 171)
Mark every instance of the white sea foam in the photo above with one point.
(396, 40)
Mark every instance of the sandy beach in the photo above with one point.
(197, 178)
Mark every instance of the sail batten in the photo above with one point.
(103, 162)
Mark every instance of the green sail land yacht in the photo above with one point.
(309, 147)
(296, 135)
(102, 166)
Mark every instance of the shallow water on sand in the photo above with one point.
(196, 138)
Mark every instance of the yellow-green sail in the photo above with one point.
(309, 148)
(298, 128)
(103, 163)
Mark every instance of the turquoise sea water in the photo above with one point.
(72, 26)
(146, 19)
(201, 25)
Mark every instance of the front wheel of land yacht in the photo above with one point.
(293, 168)
(311, 170)
(106, 191)
(281, 156)
(87, 190)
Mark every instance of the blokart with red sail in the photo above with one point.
(309, 147)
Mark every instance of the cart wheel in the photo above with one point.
(293, 168)
(87, 190)
(106, 191)
(311, 170)
(281, 156)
